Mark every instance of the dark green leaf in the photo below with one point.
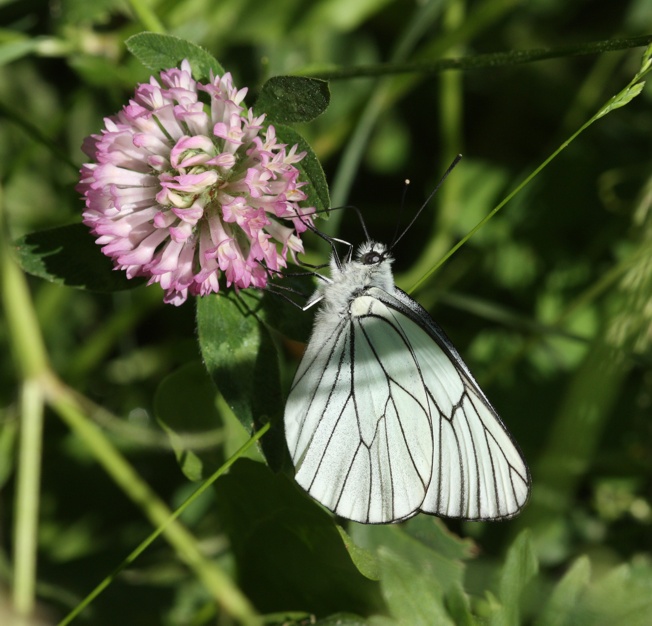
(291, 99)
(310, 168)
(160, 52)
(185, 407)
(68, 256)
(288, 551)
(241, 358)
(290, 320)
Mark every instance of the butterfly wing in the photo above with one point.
(385, 420)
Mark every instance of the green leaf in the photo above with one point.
(17, 47)
(302, 618)
(621, 99)
(622, 596)
(413, 596)
(185, 405)
(458, 605)
(310, 168)
(287, 549)
(364, 560)
(341, 619)
(433, 533)
(566, 595)
(160, 52)
(520, 567)
(445, 572)
(67, 255)
(290, 320)
(290, 99)
(241, 358)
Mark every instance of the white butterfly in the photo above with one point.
(384, 419)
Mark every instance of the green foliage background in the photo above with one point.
(549, 303)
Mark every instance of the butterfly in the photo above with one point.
(384, 420)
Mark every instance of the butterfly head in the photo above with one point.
(372, 253)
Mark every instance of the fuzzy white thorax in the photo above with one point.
(353, 278)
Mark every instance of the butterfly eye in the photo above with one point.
(372, 258)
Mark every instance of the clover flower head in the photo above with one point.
(189, 189)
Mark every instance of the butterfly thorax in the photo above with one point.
(372, 267)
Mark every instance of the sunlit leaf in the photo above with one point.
(241, 358)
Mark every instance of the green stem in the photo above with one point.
(451, 105)
(387, 92)
(481, 61)
(146, 16)
(216, 581)
(40, 383)
(27, 498)
(622, 98)
(22, 324)
(356, 146)
(37, 135)
(149, 540)
(31, 364)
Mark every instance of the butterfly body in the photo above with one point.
(384, 419)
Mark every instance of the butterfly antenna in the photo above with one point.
(400, 210)
(327, 238)
(456, 160)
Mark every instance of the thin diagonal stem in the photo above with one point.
(481, 61)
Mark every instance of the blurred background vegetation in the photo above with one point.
(549, 303)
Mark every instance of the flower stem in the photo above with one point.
(376, 103)
(451, 105)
